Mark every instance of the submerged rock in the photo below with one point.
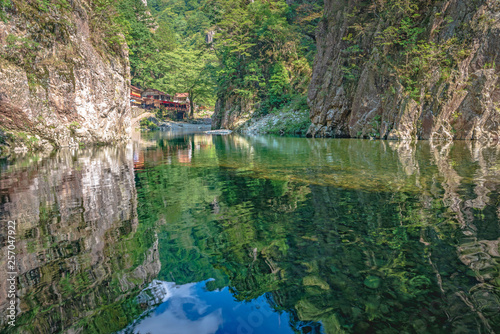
(165, 126)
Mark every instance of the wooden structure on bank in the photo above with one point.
(154, 99)
(181, 98)
(135, 92)
(135, 96)
(156, 94)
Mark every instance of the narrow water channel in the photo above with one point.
(191, 233)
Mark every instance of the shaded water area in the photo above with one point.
(189, 233)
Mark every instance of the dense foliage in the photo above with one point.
(260, 51)
(167, 47)
(265, 49)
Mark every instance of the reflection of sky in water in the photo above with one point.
(191, 309)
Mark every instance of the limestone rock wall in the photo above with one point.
(62, 82)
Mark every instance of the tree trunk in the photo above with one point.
(191, 105)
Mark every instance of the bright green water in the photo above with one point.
(340, 235)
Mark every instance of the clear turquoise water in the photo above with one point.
(188, 233)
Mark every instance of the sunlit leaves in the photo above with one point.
(252, 38)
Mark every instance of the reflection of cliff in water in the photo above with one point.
(471, 187)
(434, 261)
(428, 260)
(80, 250)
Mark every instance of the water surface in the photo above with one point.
(189, 233)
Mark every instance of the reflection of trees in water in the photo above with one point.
(80, 248)
(372, 248)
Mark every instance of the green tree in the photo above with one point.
(188, 71)
(139, 39)
(263, 56)
(167, 48)
(165, 38)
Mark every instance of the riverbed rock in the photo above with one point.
(61, 80)
(154, 120)
(219, 132)
(164, 126)
(364, 85)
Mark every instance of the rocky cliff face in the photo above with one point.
(231, 112)
(64, 75)
(407, 70)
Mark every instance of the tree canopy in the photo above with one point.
(167, 48)
(265, 48)
(261, 50)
